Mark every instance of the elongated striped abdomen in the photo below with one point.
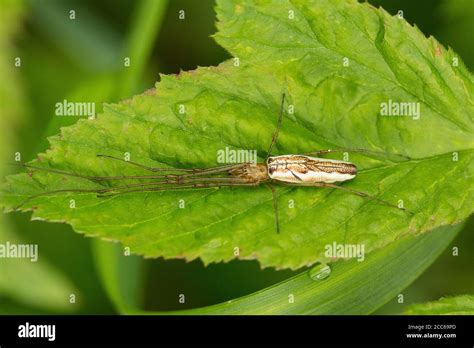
(305, 169)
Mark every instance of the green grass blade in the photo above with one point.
(352, 288)
(144, 29)
(122, 276)
(87, 40)
(456, 305)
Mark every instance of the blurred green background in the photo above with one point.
(81, 59)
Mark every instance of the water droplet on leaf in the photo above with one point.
(320, 272)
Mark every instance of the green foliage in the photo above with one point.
(457, 305)
(19, 276)
(236, 105)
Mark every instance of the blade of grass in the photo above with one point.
(122, 276)
(453, 305)
(144, 29)
(81, 38)
(18, 276)
(352, 288)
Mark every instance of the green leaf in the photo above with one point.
(457, 305)
(236, 106)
